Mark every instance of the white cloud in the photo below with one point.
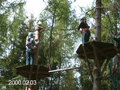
(34, 7)
(84, 3)
(81, 3)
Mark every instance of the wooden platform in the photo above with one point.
(35, 71)
(103, 50)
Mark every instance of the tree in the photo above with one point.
(60, 20)
(98, 20)
(96, 74)
(11, 45)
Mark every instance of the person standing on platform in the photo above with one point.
(84, 30)
(30, 47)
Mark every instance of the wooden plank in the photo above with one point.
(60, 70)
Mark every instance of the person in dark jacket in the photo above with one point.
(84, 30)
(30, 46)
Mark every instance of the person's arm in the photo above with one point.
(27, 46)
(80, 26)
(27, 42)
(36, 41)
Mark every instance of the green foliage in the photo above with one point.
(10, 49)
(64, 36)
(61, 9)
(69, 82)
(63, 39)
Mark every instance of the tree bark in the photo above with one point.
(96, 79)
(97, 70)
(98, 20)
(96, 74)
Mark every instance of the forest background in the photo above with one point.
(62, 19)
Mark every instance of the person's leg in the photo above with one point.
(83, 37)
(27, 58)
(87, 36)
(31, 59)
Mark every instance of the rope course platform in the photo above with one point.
(40, 71)
(103, 50)
(101, 53)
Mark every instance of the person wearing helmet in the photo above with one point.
(84, 30)
(30, 46)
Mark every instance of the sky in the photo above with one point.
(35, 7)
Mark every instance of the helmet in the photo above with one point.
(84, 18)
(31, 34)
(40, 26)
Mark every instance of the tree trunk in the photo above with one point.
(96, 79)
(98, 20)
